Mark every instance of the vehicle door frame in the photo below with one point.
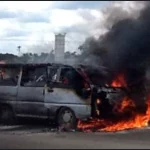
(20, 86)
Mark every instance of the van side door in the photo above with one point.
(30, 100)
(62, 92)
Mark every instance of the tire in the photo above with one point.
(7, 116)
(66, 119)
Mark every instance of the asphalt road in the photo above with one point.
(30, 136)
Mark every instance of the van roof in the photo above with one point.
(34, 64)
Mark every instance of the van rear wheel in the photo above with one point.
(66, 119)
(6, 116)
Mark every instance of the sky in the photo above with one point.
(33, 24)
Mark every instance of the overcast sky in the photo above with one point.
(32, 24)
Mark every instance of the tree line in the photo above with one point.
(34, 58)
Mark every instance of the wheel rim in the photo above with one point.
(66, 120)
(67, 117)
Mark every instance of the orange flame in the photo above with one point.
(125, 104)
(119, 81)
(137, 120)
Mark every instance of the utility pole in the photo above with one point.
(19, 51)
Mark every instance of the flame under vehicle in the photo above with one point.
(52, 91)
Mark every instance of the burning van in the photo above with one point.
(52, 91)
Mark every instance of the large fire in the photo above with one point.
(136, 120)
(119, 81)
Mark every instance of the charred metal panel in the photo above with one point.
(114, 95)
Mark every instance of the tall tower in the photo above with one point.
(59, 48)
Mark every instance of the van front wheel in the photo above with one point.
(6, 116)
(66, 119)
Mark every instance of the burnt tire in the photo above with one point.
(66, 119)
(7, 116)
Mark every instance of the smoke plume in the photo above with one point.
(125, 48)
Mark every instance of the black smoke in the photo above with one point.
(125, 48)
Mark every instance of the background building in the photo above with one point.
(59, 48)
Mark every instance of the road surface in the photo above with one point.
(30, 136)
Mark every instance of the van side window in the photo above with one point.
(53, 74)
(74, 79)
(67, 76)
(34, 76)
(9, 76)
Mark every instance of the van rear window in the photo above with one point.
(9, 76)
